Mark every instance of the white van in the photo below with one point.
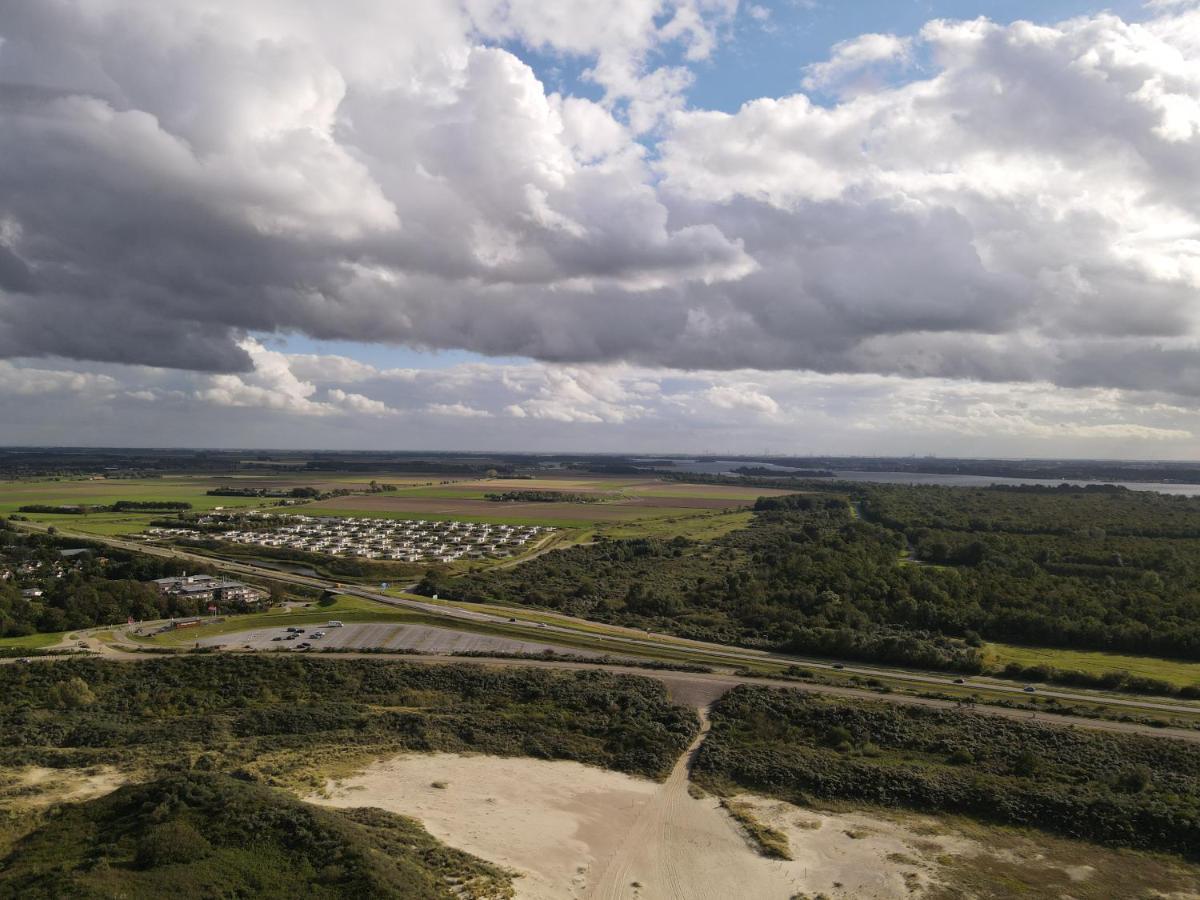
(334, 624)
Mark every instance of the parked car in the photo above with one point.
(334, 624)
(278, 637)
(318, 634)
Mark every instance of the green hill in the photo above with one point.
(204, 835)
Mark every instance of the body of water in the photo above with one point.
(726, 467)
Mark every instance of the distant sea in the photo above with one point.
(726, 467)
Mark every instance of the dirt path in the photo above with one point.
(656, 853)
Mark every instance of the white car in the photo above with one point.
(317, 634)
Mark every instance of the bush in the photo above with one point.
(73, 693)
(1130, 790)
(168, 843)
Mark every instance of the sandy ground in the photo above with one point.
(573, 831)
(421, 638)
(39, 785)
(552, 822)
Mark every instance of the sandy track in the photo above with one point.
(574, 832)
(673, 845)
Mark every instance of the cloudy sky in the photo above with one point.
(857, 226)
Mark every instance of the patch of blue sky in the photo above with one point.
(765, 57)
(559, 73)
(382, 356)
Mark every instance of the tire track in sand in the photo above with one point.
(658, 855)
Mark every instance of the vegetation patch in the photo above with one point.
(805, 577)
(770, 842)
(208, 835)
(547, 497)
(1121, 789)
(285, 718)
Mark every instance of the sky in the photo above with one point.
(878, 227)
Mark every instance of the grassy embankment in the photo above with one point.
(1177, 672)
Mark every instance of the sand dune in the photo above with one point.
(573, 831)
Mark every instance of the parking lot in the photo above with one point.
(419, 638)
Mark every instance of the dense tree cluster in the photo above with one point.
(1123, 789)
(1097, 568)
(805, 577)
(84, 509)
(542, 497)
(904, 574)
(103, 586)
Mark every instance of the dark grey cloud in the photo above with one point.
(172, 180)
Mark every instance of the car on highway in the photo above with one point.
(838, 666)
(1029, 689)
(334, 624)
(960, 681)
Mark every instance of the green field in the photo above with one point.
(698, 525)
(348, 609)
(1181, 674)
(33, 641)
(633, 506)
(73, 492)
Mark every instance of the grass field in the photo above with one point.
(82, 492)
(33, 641)
(348, 609)
(632, 506)
(1176, 672)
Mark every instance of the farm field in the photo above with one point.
(643, 505)
(1176, 672)
(631, 506)
(82, 492)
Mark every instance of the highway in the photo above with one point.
(631, 641)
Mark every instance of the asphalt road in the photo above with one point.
(631, 640)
